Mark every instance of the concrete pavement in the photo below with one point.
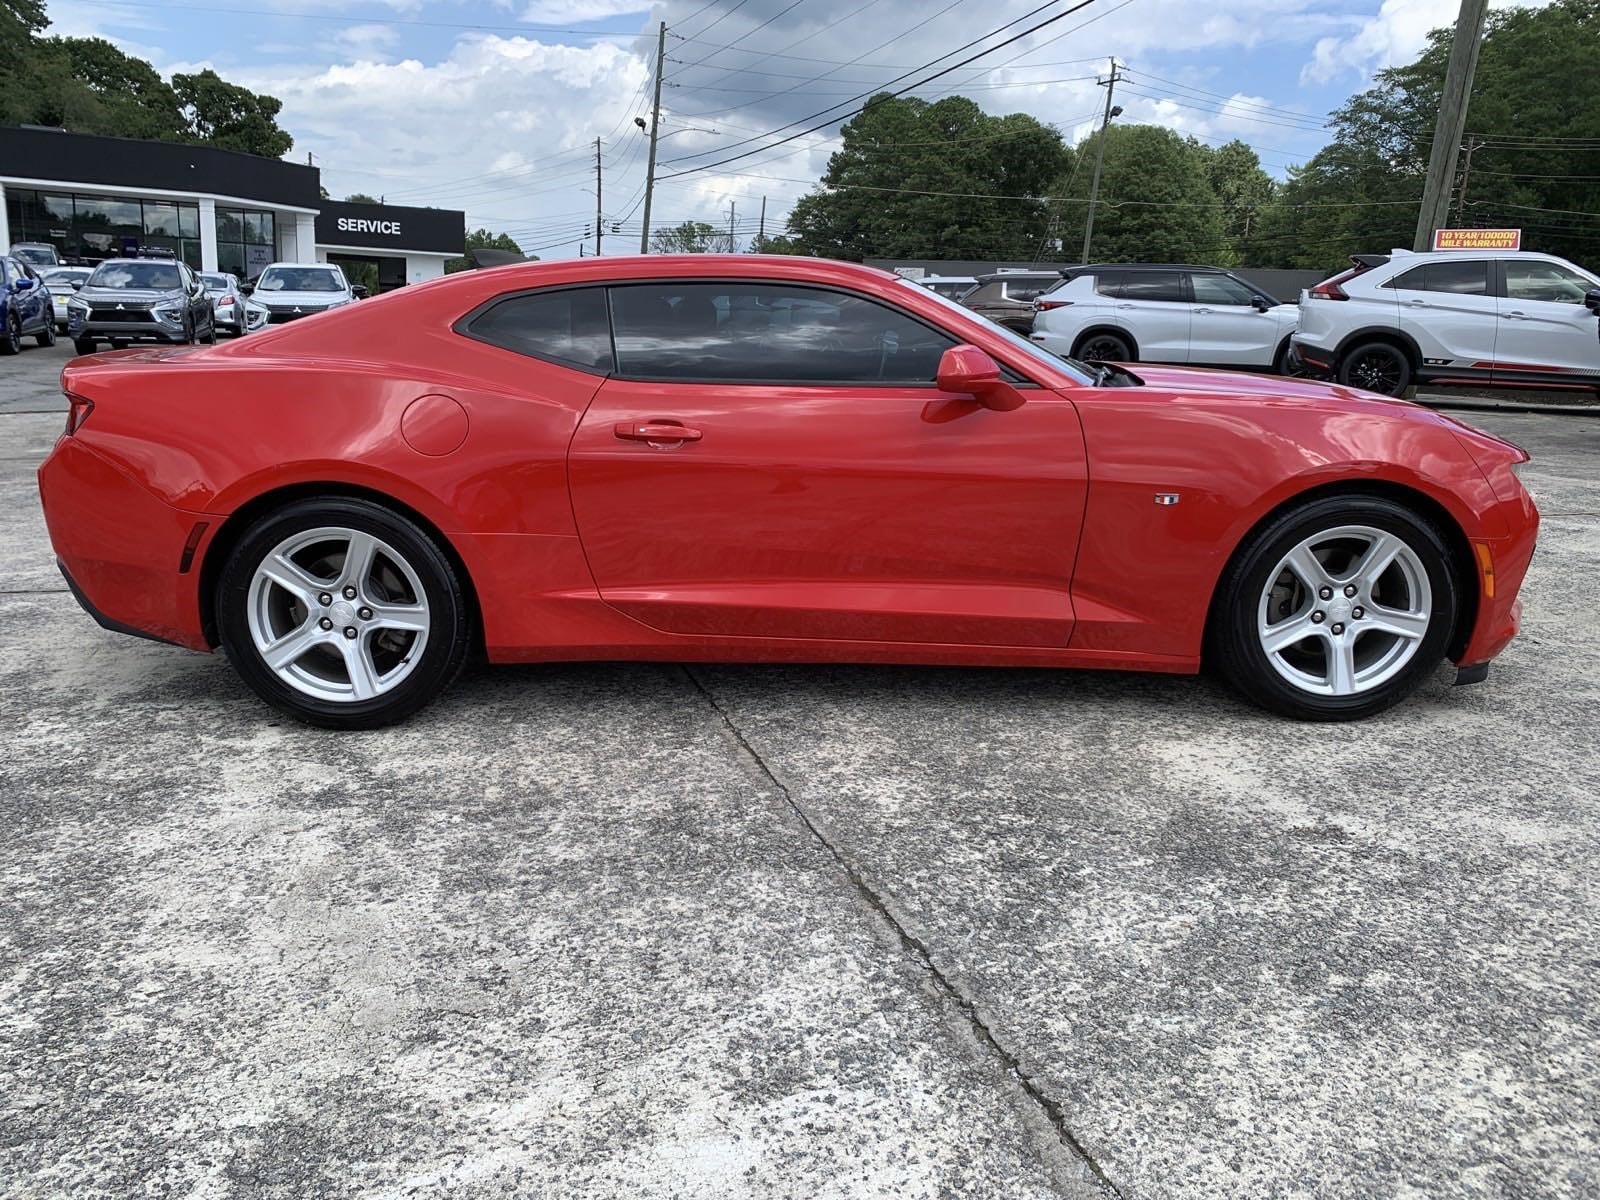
(613, 930)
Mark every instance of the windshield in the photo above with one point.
(300, 279)
(37, 256)
(216, 283)
(1038, 353)
(155, 276)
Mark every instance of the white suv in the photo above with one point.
(1504, 317)
(289, 291)
(1132, 312)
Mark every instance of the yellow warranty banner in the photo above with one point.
(1477, 239)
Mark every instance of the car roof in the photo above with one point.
(1091, 267)
(997, 276)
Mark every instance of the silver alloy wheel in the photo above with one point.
(1345, 610)
(338, 614)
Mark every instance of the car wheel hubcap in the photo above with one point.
(1103, 350)
(1345, 611)
(1377, 373)
(338, 614)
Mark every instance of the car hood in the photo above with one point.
(1242, 385)
(113, 296)
(300, 299)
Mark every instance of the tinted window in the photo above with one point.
(1109, 283)
(158, 276)
(568, 326)
(1469, 278)
(983, 293)
(754, 331)
(1026, 289)
(215, 283)
(1219, 289)
(1154, 285)
(300, 279)
(1545, 281)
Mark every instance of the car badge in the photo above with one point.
(1166, 498)
(120, 307)
(295, 309)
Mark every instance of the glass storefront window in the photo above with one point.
(230, 258)
(161, 219)
(96, 227)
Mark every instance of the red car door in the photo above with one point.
(773, 461)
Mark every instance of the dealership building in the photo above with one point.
(98, 197)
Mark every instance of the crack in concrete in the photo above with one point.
(61, 591)
(1050, 1108)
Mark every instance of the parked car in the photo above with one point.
(62, 282)
(36, 254)
(231, 311)
(1007, 297)
(951, 287)
(727, 457)
(1137, 312)
(289, 291)
(1453, 317)
(24, 307)
(140, 300)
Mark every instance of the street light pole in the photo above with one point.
(1110, 85)
(655, 124)
(1435, 210)
(598, 219)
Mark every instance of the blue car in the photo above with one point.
(25, 307)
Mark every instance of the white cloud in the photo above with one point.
(559, 12)
(367, 39)
(1396, 35)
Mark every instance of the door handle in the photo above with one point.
(1515, 316)
(1417, 303)
(1124, 306)
(1207, 311)
(655, 431)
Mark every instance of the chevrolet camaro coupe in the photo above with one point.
(746, 458)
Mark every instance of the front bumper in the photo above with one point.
(121, 548)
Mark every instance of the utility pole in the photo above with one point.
(655, 125)
(598, 181)
(761, 226)
(1452, 122)
(1110, 84)
(1466, 173)
(733, 210)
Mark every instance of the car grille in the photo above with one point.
(277, 314)
(121, 314)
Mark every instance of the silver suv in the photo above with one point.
(1007, 297)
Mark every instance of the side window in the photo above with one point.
(1463, 278)
(566, 326)
(1023, 291)
(984, 293)
(753, 332)
(1154, 285)
(1219, 289)
(1544, 281)
(1111, 283)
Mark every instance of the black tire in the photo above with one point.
(120, 343)
(211, 332)
(1287, 363)
(191, 333)
(1235, 645)
(1380, 367)
(1103, 347)
(83, 345)
(450, 630)
(11, 335)
(47, 336)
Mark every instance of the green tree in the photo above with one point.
(1242, 189)
(691, 237)
(233, 117)
(942, 179)
(780, 243)
(363, 198)
(1156, 202)
(482, 239)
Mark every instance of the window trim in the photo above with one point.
(1009, 371)
(1255, 293)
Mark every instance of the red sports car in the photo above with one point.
(750, 458)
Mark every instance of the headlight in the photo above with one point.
(78, 304)
(167, 312)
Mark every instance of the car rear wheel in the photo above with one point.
(47, 335)
(1337, 610)
(1104, 347)
(11, 335)
(343, 613)
(83, 345)
(1376, 367)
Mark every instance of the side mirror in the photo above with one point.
(77, 284)
(969, 370)
(1591, 301)
(26, 283)
(1260, 303)
(247, 289)
(359, 291)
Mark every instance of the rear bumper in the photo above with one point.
(121, 548)
(1312, 359)
(1053, 342)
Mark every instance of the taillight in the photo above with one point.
(1047, 305)
(1328, 289)
(224, 302)
(78, 410)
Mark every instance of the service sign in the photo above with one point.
(1477, 239)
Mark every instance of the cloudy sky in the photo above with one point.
(493, 106)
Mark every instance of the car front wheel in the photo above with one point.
(47, 335)
(11, 335)
(343, 613)
(1104, 347)
(1338, 609)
